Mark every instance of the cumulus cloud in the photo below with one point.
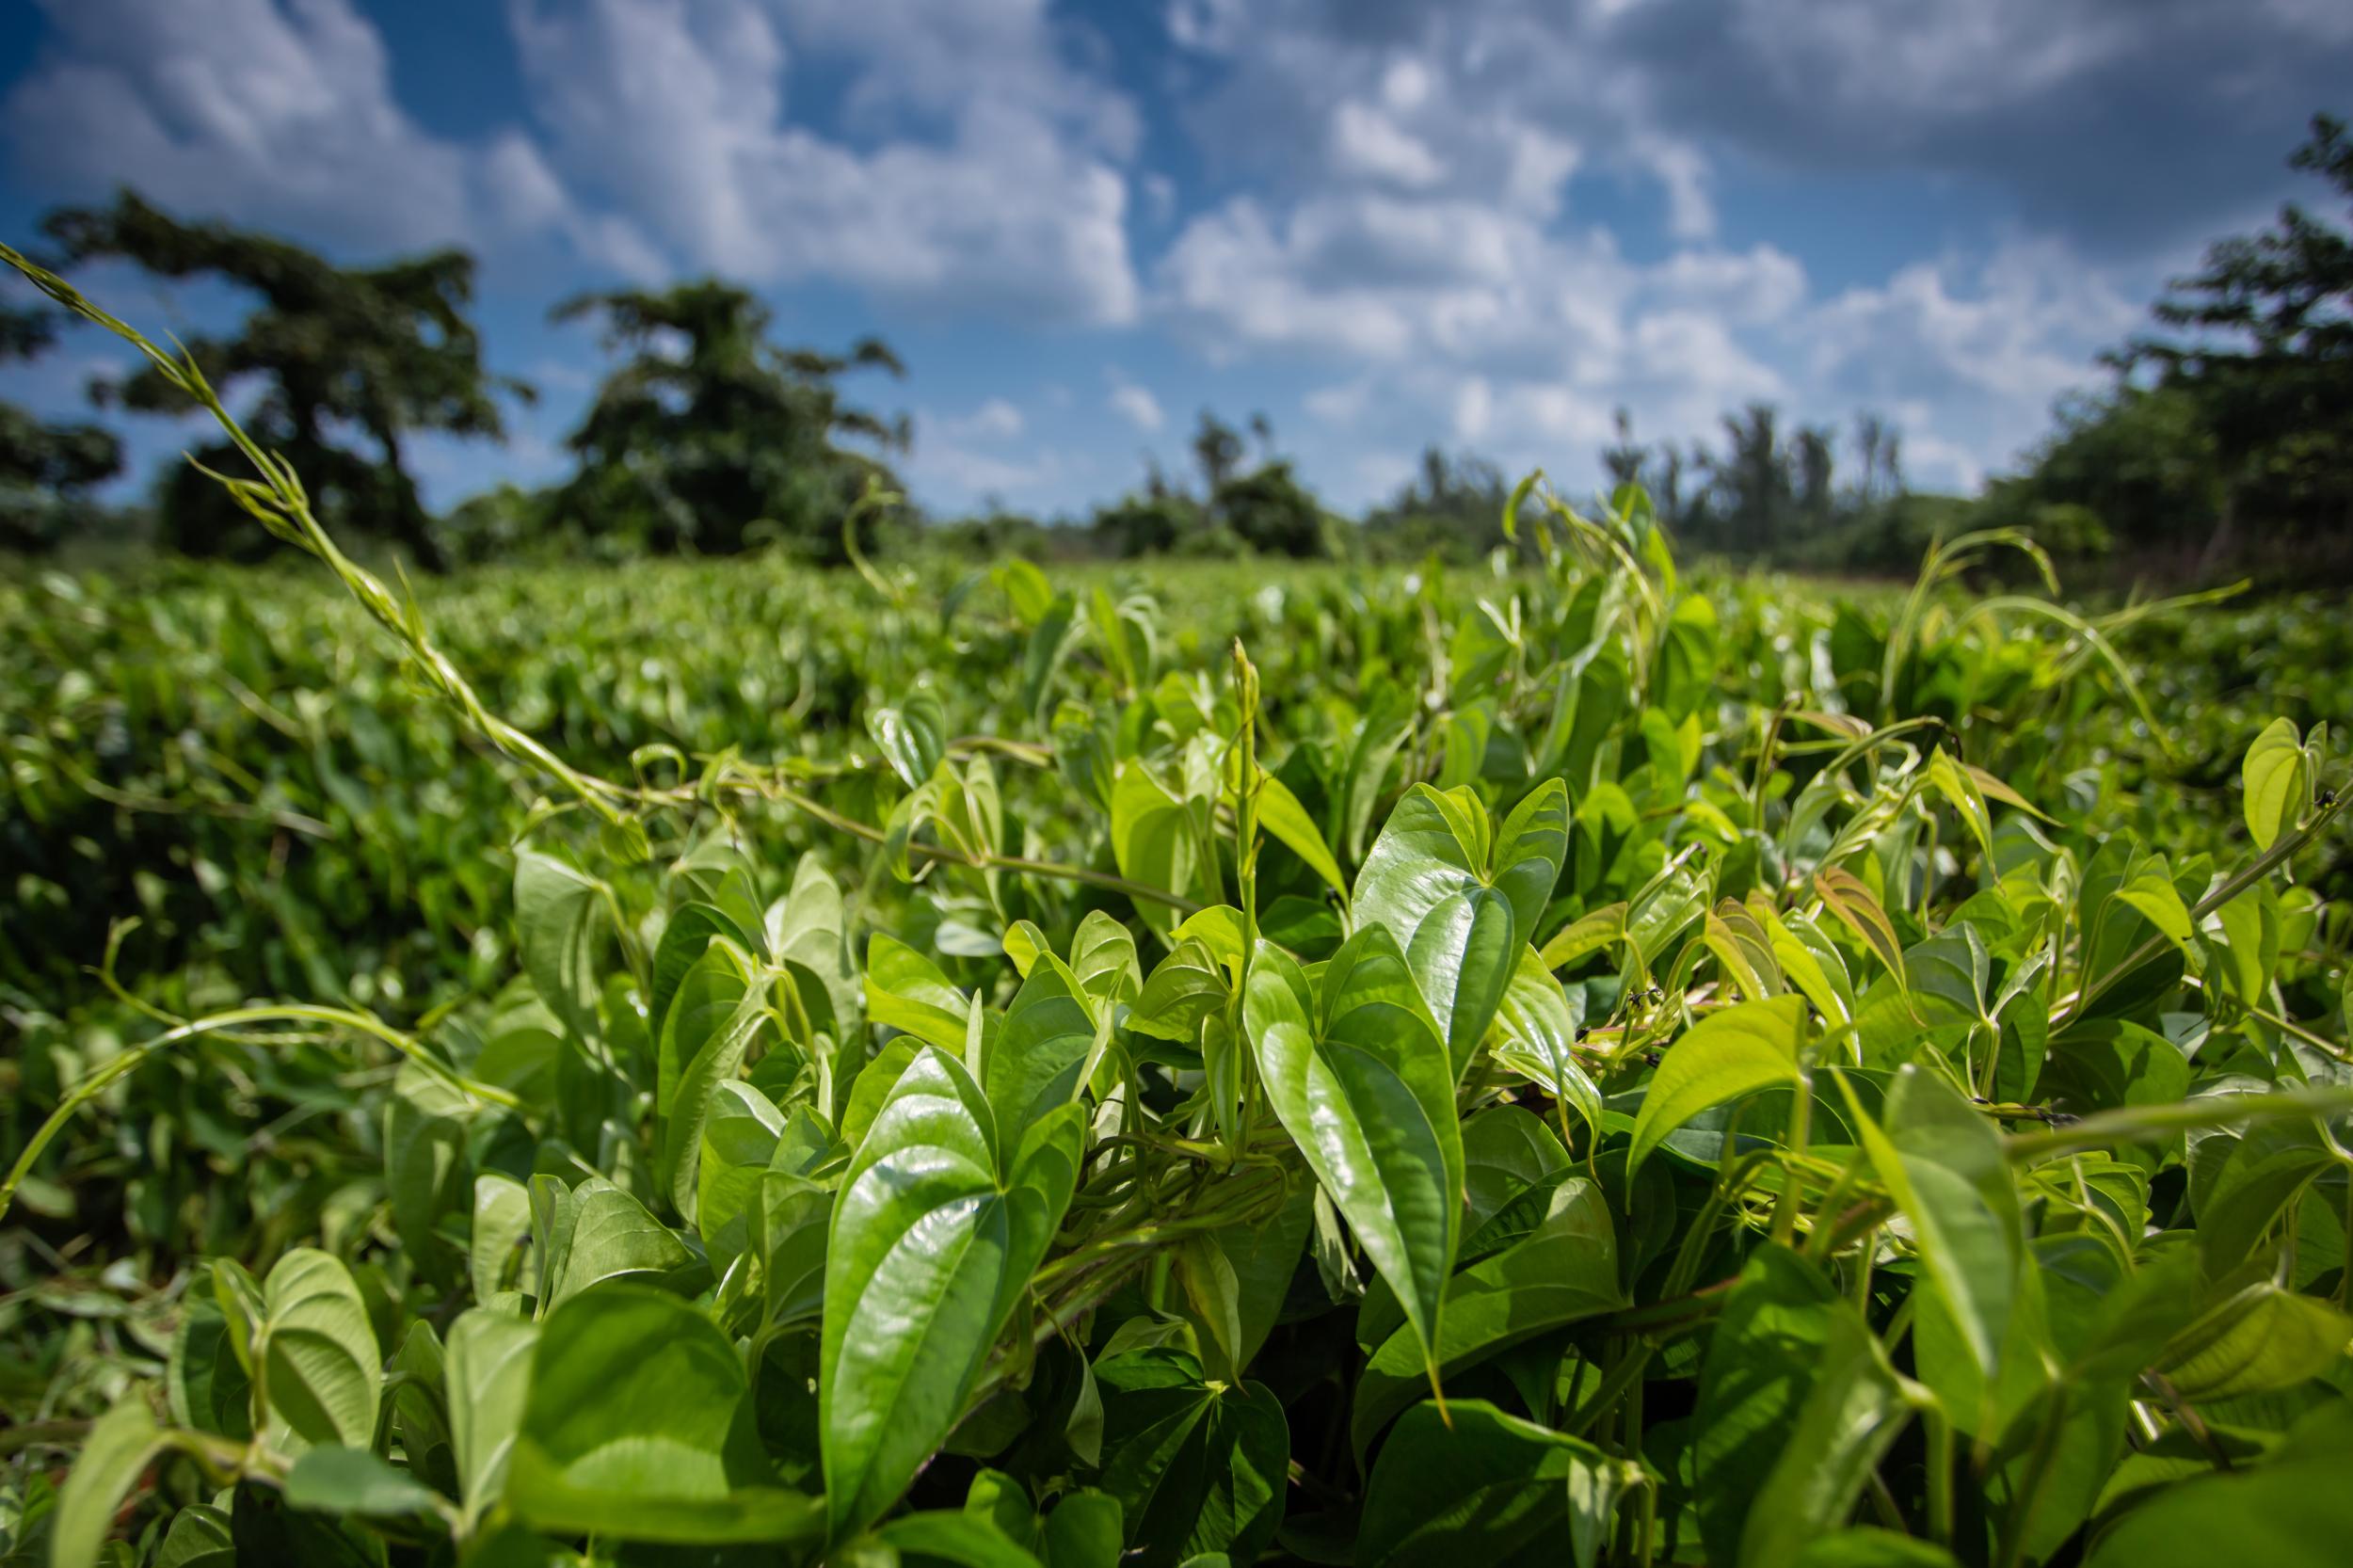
(271, 111)
(1494, 222)
(995, 420)
(990, 180)
(1137, 406)
(1494, 330)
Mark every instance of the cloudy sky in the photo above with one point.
(1382, 222)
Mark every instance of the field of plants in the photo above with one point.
(1580, 1060)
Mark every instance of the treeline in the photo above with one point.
(2223, 442)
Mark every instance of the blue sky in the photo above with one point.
(1485, 224)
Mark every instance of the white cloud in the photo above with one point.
(1366, 141)
(990, 178)
(1138, 406)
(994, 420)
(1512, 335)
(269, 111)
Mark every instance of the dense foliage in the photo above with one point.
(731, 1065)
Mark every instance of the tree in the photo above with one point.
(1454, 506)
(44, 469)
(1754, 493)
(1879, 451)
(1152, 522)
(710, 438)
(1624, 460)
(1816, 459)
(2142, 458)
(2267, 351)
(387, 352)
(1217, 448)
(1272, 512)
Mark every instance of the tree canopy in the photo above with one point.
(45, 468)
(2262, 338)
(708, 437)
(352, 362)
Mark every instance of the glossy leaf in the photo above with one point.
(2276, 783)
(1197, 1468)
(1723, 1057)
(934, 1237)
(1361, 1081)
(638, 1427)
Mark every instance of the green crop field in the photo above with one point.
(1583, 1058)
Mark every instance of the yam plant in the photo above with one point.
(1568, 1066)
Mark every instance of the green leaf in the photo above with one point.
(934, 1238)
(488, 1372)
(807, 931)
(116, 1453)
(2259, 1339)
(424, 1164)
(353, 1480)
(1197, 1468)
(322, 1371)
(559, 916)
(1941, 1161)
(906, 991)
(1842, 894)
(1564, 1270)
(1047, 643)
(913, 737)
(1787, 1357)
(639, 1426)
(1085, 1530)
(1463, 956)
(875, 1084)
(1851, 1417)
(685, 937)
(206, 1380)
(1662, 912)
(2277, 777)
(738, 1142)
(501, 1223)
(1033, 1063)
(709, 1000)
(613, 1236)
(954, 1540)
(1362, 1082)
(1281, 815)
(2266, 1169)
(1589, 934)
(1869, 1546)
(1461, 903)
(2289, 1513)
(419, 1404)
(1211, 1302)
(1535, 1033)
(2150, 890)
(1948, 779)
(1263, 1258)
(1184, 988)
(1468, 1484)
(1155, 839)
(1723, 1057)
(1103, 956)
(199, 1538)
(718, 1056)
